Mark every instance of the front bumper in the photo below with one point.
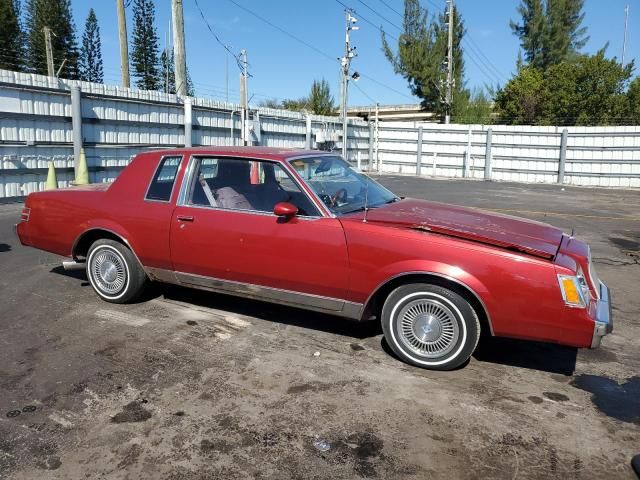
(604, 320)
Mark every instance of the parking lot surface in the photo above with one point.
(194, 385)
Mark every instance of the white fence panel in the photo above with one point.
(37, 118)
(36, 128)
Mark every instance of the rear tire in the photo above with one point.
(430, 326)
(114, 272)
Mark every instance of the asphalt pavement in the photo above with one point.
(193, 385)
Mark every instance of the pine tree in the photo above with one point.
(191, 91)
(55, 14)
(90, 63)
(416, 59)
(564, 36)
(11, 36)
(551, 31)
(422, 52)
(321, 101)
(168, 74)
(531, 31)
(633, 102)
(168, 81)
(144, 53)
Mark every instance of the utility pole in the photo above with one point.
(345, 64)
(168, 48)
(244, 102)
(178, 47)
(377, 136)
(449, 98)
(49, 50)
(124, 46)
(626, 23)
(226, 72)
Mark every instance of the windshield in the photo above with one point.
(341, 188)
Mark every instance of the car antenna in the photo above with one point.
(366, 198)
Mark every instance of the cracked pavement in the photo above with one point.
(193, 385)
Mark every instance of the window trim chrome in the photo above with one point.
(156, 170)
(248, 212)
(188, 179)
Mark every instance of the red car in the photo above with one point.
(302, 228)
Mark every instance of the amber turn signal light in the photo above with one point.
(571, 291)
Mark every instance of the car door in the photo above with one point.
(224, 236)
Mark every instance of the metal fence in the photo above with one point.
(43, 119)
(596, 156)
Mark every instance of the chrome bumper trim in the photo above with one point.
(603, 321)
(307, 301)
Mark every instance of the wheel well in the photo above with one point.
(374, 306)
(81, 248)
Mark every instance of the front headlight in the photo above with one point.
(575, 290)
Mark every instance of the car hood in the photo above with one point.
(528, 236)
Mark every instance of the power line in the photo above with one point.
(438, 8)
(224, 45)
(315, 49)
(380, 15)
(474, 46)
(386, 86)
(391, 8)
(355, 84)
(483, 68)
(366, 20)
(298, 39)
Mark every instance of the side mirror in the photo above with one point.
(285, 210)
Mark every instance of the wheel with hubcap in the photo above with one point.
(114, 272)
(430, 326)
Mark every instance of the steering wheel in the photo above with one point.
(341, 194)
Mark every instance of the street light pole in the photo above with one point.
(345, 63)
(449, 98)
(626, 24)
(244, 96)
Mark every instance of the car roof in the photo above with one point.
(268, 153)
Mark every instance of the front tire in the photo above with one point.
(430, 326)
(114, 272)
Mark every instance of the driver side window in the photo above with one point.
(246, 185)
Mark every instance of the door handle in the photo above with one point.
(185, 218)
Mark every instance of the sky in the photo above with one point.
(283, 67)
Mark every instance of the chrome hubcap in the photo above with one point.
(427, 327)
(109, 272)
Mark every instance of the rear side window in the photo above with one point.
(161, 186)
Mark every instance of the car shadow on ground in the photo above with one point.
(77, 274)
(545, 357)
(505, 351)
(5, 247)
(271, 312)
